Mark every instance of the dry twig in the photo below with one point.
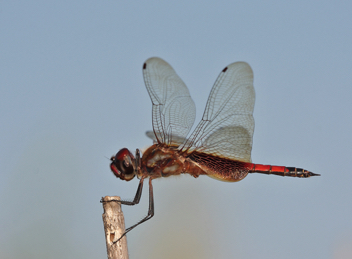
(114, 227)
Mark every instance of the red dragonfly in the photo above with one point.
(221, 144)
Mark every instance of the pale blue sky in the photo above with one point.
(72, 94)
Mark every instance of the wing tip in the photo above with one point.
(145, 65)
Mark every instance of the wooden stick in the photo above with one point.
(114, 227)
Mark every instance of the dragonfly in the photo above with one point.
(220, 146)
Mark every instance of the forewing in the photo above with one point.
(227, 126)
(173, 108)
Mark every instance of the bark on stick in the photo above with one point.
(114, 227)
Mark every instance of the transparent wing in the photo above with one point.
(176, 140)
(173, 108)
(227, 126)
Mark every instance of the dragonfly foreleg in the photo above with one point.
(150, 210)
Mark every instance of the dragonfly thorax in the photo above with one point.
(161, 161)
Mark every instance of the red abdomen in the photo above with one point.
(233, 170)
(278, 170)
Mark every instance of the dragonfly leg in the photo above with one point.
(137, 162)
(136, 199)
(150, 211)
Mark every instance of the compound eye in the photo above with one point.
(122, 165)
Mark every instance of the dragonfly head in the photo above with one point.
(122, 165)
